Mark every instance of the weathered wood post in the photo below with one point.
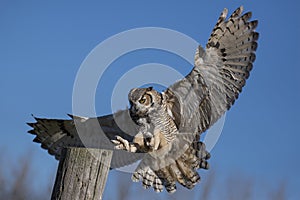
(81, 174)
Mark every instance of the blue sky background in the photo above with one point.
(43, 43)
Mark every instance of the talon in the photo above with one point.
(115, 141)
(119, 138)
(119, 147)
(123, 144)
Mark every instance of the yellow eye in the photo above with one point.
(142, 100)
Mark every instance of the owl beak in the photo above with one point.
(133, 108)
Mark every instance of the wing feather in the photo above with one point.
(219, 74)
(56, 134)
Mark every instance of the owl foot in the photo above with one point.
(124, 145)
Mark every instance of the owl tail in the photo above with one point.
(148, 177)
(182, 170)
(195, 157)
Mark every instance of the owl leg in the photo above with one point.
(124, 144)
(138, 145)
(159, 140)
(155, 142)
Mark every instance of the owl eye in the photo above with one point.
(143, 100)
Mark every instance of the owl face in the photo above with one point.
(143, 101)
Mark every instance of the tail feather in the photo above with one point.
(181, 170)
(157, 185)
(148, 179)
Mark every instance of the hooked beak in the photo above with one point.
(132, 107)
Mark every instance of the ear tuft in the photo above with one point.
(149, 88)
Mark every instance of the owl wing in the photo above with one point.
(55, 134)
(218, 76)
(196, 102)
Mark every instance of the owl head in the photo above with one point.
(143, 101)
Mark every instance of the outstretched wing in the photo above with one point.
(218, 76)
(55, 134)
(200, 99)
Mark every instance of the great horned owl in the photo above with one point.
(163, 129)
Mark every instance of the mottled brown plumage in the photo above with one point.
(163, 129)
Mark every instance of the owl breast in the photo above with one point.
(149, 111)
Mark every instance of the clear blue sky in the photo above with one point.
(43, 43)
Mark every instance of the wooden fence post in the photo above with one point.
(81, 174)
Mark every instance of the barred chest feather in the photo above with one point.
(161, 120)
